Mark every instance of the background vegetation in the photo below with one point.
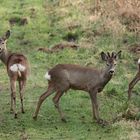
(109, 25)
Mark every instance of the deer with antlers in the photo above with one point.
(63, 77)
(17, 69)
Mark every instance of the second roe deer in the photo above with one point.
(17, 69)
(63, 77)
(134, 81)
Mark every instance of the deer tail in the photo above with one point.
(47, 75)
(19, 73)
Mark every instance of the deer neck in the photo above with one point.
(106, 76)
(4, 56)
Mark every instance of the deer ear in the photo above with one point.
(7, 34)
(103, 56)
(118, 55)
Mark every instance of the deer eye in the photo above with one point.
(2, 43)
(107, 64)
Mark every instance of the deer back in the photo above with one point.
(74, 76)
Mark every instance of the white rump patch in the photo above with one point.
(17, 67)
(14, 68)
(139, 61)
(21, 67)
(48, 76)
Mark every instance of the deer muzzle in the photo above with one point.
(111, 71)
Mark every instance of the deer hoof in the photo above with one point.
(15, 116)
(23, 111)
(102, 122)
(64, 120)
(35, 118)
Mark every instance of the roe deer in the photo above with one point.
(63, 77)
(134, 81)
(17, 69)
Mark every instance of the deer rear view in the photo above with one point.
(17, 69)
(63, 77)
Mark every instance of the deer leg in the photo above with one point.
(21, 91)
(93, 97)
(56, 99)
(13, 90)
(41, 99)
(132, 84)
(11, 108)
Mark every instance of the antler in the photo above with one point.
(113, 54)
(108, 54)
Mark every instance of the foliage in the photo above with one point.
(95, 29)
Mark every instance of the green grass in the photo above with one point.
(46, 27)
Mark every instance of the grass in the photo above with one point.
(50, 23)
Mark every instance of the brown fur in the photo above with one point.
(133, 82)
(68, 76)
(10, 59)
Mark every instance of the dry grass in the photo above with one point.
(134, 135)
(133, 126)
(96, 18)
(115, 16)
(129, 11)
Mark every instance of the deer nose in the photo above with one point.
(111, 71)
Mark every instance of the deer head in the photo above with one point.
(3, 41)
(111, 61)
